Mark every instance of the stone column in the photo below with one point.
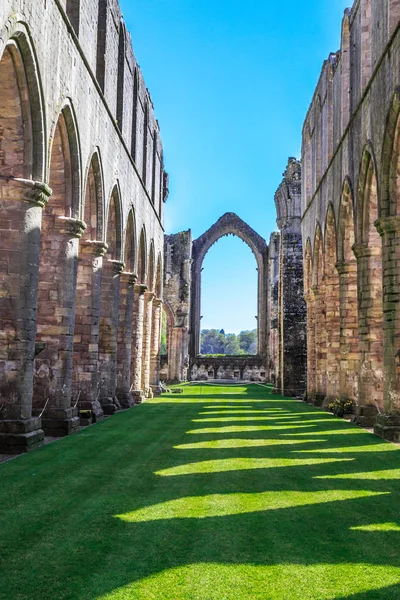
(87, 326)
(348, 330)
(320, 345)
(21, 203)
(332, 337)
(292, 315)
(137, 342)
(388, 423)
(147, 322)
(124, 353)
(370, 327)
(55, 326)
(155, 346)
(311, 382)
(110, 298)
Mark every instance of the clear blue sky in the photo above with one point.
(231, 83)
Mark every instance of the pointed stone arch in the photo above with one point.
(347, 269)
(92, 249)
(151, 268)
(130, 243)
(94, 199)
(368, 251)
(22, 87)
(114, 225)
(332, 307)
(23, 194)
(228, 224)
(110, 304)
(142, 257)
(61, 230)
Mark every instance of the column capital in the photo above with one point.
(388, 224)
(157, 302)
(94, 247)
(71, 227)
(344, 268)
(150, 296)
(365, 251)
(26, 190)
(117, 266)
(128, 278)
(140, 288)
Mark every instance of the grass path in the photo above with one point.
(218, 494)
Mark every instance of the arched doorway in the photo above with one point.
(229, 224)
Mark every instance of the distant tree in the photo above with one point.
(212, 342)
(248, 341)
(232, 345)
(163, 348)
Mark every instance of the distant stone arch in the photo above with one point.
(226, 225)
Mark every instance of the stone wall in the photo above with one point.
(82, 188)
(177, 290)
(350, 219)
(235, 368)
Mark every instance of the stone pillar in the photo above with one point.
(87, 326)
(370, 327)
(137, 342)
(348, 330)
(320, 345)
(332, 315)
(177, 353)
(147, 322)
(21, 204)
(388, 423)
(155, 346)
(110, 298)
(55, 326)
(124, 353)
(292, 313)
(311, 382)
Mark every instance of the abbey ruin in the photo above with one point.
(86, 269)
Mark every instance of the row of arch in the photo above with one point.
(352, 272)
(79, 290)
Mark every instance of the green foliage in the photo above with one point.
(341, 407)
(218, 343)
(164, 349)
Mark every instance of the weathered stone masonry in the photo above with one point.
(82, 188)
(350, 220)
(281, 310)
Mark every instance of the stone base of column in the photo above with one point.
(59, 422)
(125, 399)
(156, 391)
(149, 393)
(94, 406)
(21, 436)
(316, 399)
(110, 405)
(138, 396)
(388, 427)
(366, 416)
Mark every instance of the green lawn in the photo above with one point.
(217, 494)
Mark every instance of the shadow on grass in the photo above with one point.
(89, 515)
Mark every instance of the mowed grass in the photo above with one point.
(218, 494)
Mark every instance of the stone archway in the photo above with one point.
(229, 224)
